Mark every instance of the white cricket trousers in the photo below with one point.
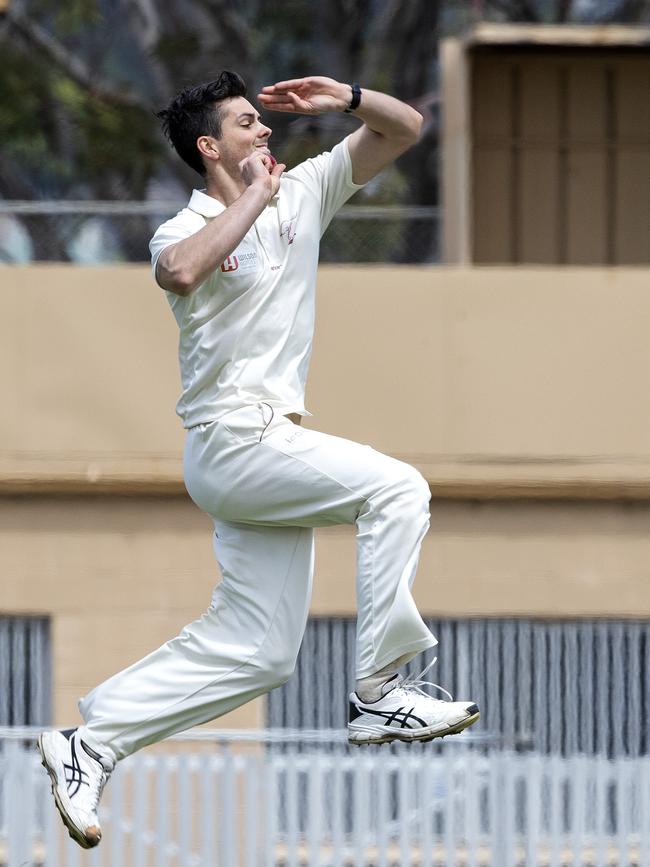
(267, 483)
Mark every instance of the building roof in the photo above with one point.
(561, 35)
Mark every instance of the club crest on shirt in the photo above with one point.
(288, 228)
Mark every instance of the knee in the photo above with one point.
(274, 669)
(412, 493)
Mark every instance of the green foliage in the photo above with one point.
(73, 16)
(27, 117)
(67, 18)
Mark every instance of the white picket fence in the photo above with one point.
(265, 800)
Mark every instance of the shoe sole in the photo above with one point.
(87, 842)
(359, 739)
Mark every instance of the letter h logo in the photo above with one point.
(231, 264)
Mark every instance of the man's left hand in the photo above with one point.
(313, 95)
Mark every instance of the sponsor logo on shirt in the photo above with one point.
(288, 228)
(231, 264)
(245, 260)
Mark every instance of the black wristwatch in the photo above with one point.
(356, 98)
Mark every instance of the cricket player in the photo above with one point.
(238, 266)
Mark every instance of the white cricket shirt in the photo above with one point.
(246, 332)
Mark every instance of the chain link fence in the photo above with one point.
(95, 233)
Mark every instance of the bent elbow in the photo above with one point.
(183, 283)
(411, 131)
(414, 132)
(418, 123)
(176, 279)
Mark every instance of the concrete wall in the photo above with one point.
(492, 381)
(521, 394)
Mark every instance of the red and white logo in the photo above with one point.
(231, 264)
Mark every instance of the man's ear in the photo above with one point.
(208, 147)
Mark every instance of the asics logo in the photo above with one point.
(398, 716)
(74, 775)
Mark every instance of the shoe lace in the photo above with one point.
(99, 789)
(416, 682)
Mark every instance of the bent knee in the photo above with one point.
(412, 490)
(276, 670)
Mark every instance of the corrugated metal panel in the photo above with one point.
(557, 687)
(25, 671)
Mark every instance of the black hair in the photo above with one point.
(196, 111)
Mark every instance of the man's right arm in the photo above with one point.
(183, 266)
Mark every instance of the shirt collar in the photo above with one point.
(208, 206)
(205, 205)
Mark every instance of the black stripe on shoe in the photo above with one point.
(75, 780)
(404, 718)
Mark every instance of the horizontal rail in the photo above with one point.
(20, 207)
(254, 736)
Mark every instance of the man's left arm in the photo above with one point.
(389, 128)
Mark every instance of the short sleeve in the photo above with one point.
(329, 176)
(182, 226)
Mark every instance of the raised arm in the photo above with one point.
(183, 266)
(389, 126)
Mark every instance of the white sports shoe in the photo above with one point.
(406, 713)
(78, 775)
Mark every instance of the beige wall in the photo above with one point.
(521, 394)
(493, 381)
(120, 576)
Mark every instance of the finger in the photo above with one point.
(256, 157)
(290, 84)
(289, 102)
(278, 168)
(269, 99)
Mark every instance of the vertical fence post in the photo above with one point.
(578, 800)
(315, 808)
(360, 813)
(252, 807)
(449, 810)
(228, 792)
(138, 770)
(161, 810)
(185, 813)
(339, 792)
(644, 810)
(17, 808)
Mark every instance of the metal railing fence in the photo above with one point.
(233, 800)
(99, 232)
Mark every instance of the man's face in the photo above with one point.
(242, 132)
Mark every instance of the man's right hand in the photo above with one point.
(185, 265)
(260, 169)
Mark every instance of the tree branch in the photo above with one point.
(74, 68)
(517, 10)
